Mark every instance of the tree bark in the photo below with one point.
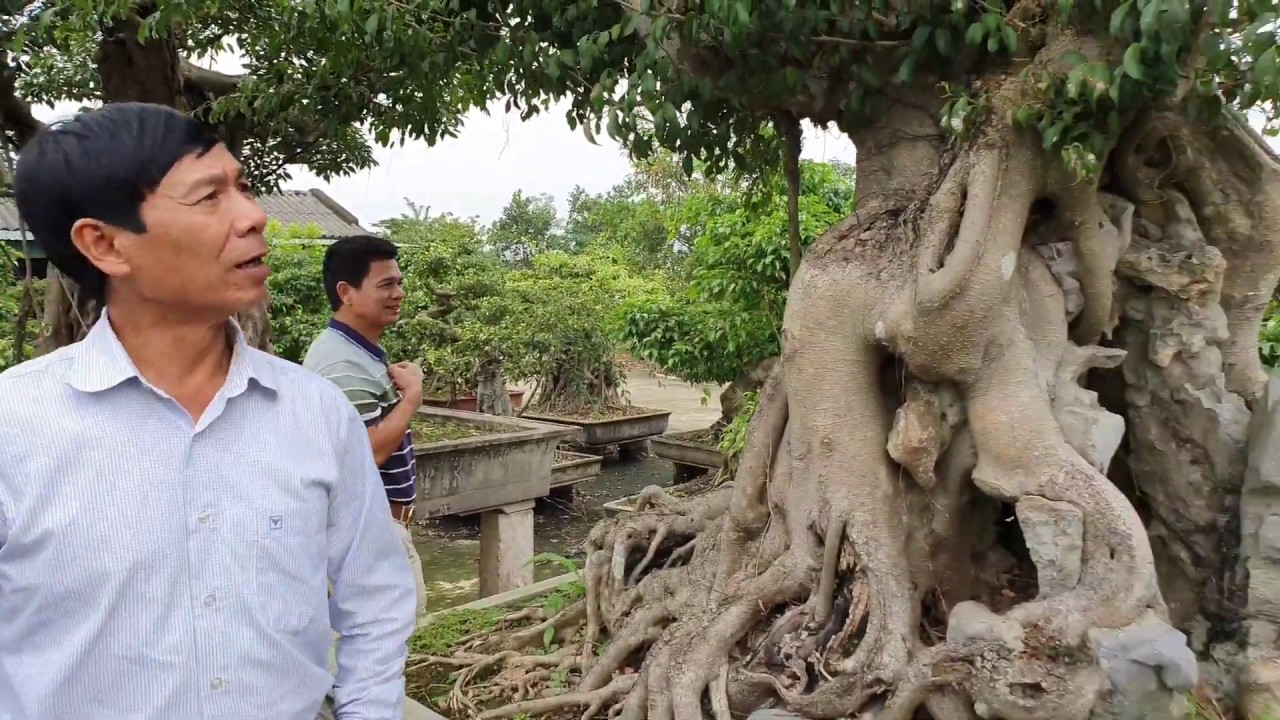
(492, 397)
(936, 511)
(132, 70)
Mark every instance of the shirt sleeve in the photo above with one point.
(373, 603)
(364, 392)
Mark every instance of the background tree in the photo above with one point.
(291, 106)
(299, 308)
(527, 226)
(450, 275)
(625, 218)
(723, 323)
(1054, 198)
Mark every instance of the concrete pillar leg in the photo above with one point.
(684, 473)
(634, 450)
(506, 548)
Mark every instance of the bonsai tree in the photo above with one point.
(564, 312)
(1012, 385)
(724, 324)
(449, 277)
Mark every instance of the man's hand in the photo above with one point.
(408, 378)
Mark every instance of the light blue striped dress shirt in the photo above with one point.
(156, 568)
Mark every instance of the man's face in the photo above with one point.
(377, 300)
(203, 249)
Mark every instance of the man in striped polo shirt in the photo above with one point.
(363, 283)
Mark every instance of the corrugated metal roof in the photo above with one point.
(301, 207)
(8, 214)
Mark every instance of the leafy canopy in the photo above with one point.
(703, 79)
(700, 80)
(727, 314)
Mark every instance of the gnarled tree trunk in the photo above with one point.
(492, 397)
(131, 70)
(999, 460)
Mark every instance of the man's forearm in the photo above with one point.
(386, 435)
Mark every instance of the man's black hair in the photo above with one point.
(348, 260)
(101, 164)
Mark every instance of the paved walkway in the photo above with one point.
(685, 401)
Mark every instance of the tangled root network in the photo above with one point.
(922, 524)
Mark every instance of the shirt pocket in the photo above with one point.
(290, 566)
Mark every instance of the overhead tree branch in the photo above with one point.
(16, 118)
(211, 81)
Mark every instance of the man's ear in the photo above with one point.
(344, 291)
(98, 242)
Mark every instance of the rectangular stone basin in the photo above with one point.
(471, 474)
(682, 452)
(572, 468)
(613, 431)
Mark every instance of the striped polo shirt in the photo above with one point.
(359, 367)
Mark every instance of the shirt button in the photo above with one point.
(218, 683)
(204, 517)
(210, 600)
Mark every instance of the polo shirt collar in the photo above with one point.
(354, 336)
(101, 362)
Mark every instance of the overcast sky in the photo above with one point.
(492, 157)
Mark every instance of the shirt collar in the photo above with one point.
(354, 336)
(101, 362)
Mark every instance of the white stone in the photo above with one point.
(1008, 264)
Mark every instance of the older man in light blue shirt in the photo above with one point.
(173, 502)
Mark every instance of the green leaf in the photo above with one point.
(1132, 62)
(629, 23)
(1150, 17)
(1075, 80)
(547, 636)
(1010, 39)
(975, 34)
(906, 71)
(371, 27)
(1053, 134)
(920, 37)
(1264, 68)
(942, 40)
(659, 30)
(1118, 17)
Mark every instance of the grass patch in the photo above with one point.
(577, 411)
(443, 633)
(455, 631)
(430, 429)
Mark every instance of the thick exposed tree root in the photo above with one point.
(930, 385)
